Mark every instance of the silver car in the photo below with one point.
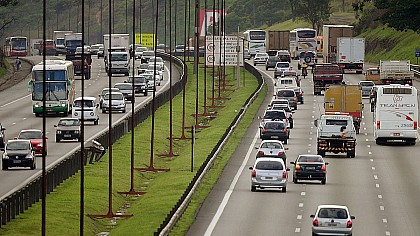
(260, 58)
(268, 172)
(117, 102)
(332, 220)
(272, 148)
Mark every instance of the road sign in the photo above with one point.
(146, 40)
(223, 50)
(417, 52)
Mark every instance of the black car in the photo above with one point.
(271, 62)
(2, 137)
(126, 89)
(284, 55)
(299, 94)
(18, 153)
(67, 129)
(310, 167)
(272, 53)
(276, 130)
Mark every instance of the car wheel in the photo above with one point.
(314, 234)
(145, 94)
(37, 114)
(295, 180)
(324, 181)
(57, 139)
(253, 188)
(255, 64)
(79, 139)
(4, 167)
(123, 111)
(33, 167)
(291, 125)
(285, 141)
(350, 154)
(295, 107)
(266, 68)
(103, 110)
(96, 122)
(301, 102)
(283, 189)
(321, 153)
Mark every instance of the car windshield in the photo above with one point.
(30, 135)
(274, 145)
(69, 122)
(87, 103)
(139, 80)
(281, 107)
(119, 57)
(310, 159)
(289, 73)
(148, 53)
(367, 84)
(107, 90)
(141, 49)
(158, 59)
(337, 213)
(274, 115)
(114, 96)
(125, 86)
(269, 165)
(18, 146)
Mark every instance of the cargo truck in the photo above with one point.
(351, 54)
(72, 41)
(278, 40)
(324, 75)
(373, 74)
(119, 43)
(345, 99)
(396, 72)
(330, 36)
(60, 42)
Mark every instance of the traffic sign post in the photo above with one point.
(417, 55)
(223, 51)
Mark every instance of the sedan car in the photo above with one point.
(310, 167)
(67, 129)
(117, 102)
(271, 62)
(272, 148)
(260, 58)
(280, 67)
(332, 220)
(276, 130)
(268, 172)
(35, 136)
(126, 89)
(271, 114)
(288, 111)
(366, 86)
(19, 153)
(103, 92)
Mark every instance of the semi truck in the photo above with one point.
(330, 35)
(336, 133)
(60, 41)
(345, 99)
(324, 75)
(278, 40)
(351, 54)
(396, 72)
(72, 41)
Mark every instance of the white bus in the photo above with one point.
(395, 113)
(255, 41)
(59, 84)
(301, 40)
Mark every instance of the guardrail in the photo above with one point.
(28, 193)
(416, 70)
(185, 199)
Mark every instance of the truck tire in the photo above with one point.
(321, 153)
(351, 154)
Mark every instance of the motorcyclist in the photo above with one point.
(304, 67)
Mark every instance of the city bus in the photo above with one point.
(395, 113)
(301, 40)
(60, 87)
(255, 41)
(16, 46)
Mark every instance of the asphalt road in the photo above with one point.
(380, 186)
(16, 114)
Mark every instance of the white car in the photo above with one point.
(332, 220)
(139, 52)
(260, 58)
(117, 102)
(90, 109)
(269, 172)
(158, 76)
(160, 63)
(281, 66)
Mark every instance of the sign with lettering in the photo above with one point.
(223, 50)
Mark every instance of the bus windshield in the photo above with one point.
(55, 91)
(52, 75)
(306, 34)
(18, 43)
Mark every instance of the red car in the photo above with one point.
(35, 136)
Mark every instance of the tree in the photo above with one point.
(399, 14)
(5, 21)
(314, 12)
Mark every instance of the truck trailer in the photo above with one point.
(278, 40)
(60, 41)
(351, 54)
(330, 36)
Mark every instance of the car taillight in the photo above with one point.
(263, 130)
(300, 93)
(323, 167)
(254, 173)
(261, 152)
(349, 224)
(263, 117)
(294, 99)
(315, 223)
(415, 125)
(297, 167)
(378, 124)
(284, 174)
(280, 153)
(285, 130)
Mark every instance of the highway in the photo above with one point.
(16, 114)
(380, 186)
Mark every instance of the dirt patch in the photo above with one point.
(12, 76)
(378, 45)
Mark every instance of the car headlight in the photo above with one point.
(76, 131)
(5, 156)
(58, 132)
(37, 105)
(76, 114)
(39, 145)
(92, 114)
(29, 156)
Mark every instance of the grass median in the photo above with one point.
(163, 189)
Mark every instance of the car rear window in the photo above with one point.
(272, 145)
(275, 115)
(269, 165)
(274, 125)
(283, 65)
(285, 93)
(337, 213)
(310, 159)
(367, 84)
(336, 122)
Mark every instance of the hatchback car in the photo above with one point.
(126, 89)
(271, 62)
(280, 67)
(288, 94)
(260, 58)
(276, 130)
(272, 148)
(105, 91)
(332, 220)
(117, 102)
(284, 55)
(19, 153)
(309, 167)
(366, 86)
(35, 136)
(271, 114)
(288, 111)
(67, 129)
(268, 172)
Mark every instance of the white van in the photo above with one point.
(395, 113)
(286, 82)
(90, 109)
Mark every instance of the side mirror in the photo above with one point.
(352, 217)
(292, 162)
(316, 123)
(312, 216)
(287, 169)
(55, 126)
(251, 168)
(326, 163)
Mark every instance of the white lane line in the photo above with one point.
(15, 101)
(364, 128)
(302, 193)
(310, 138)
(385, 220)
(370, 153)
(387, 233)
(367, 140)
(371, 160)
(380, 196)
(229, 192)
(312, 127)
(301, 204)
(299, 217)
(373, 168)
(368, 145)
(313, 117)
(309, 144)
(382, 208)
(365, 134)
(375, 176)
(377, 185)
(313, 111)
(309, 151)
(310, 132)
(363, 122)
(13, 123)
(297, 230)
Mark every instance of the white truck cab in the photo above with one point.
(90, 106)
(119, 64)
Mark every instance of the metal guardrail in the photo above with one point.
(179, 208)
(415, 69)
(28, 193)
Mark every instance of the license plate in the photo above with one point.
(396, 134)
(274, 136)
(67, 135)
(332, 224)
(310, 168)
(268, 178)
(17, 161)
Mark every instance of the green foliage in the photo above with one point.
(314, 12)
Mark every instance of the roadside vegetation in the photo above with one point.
(163, 188)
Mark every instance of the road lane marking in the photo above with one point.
(299, 217)
(297, 230)
(370, 153)
(373, 168)
(371, 160)
(368, 145)
(387, 233)
(385, 220)
(301, 204)
(377, 185)
(302, 193)
(382, 208)
(367, 140)
(375, 176)
(15, 101)
(379, 196)
(229, 192)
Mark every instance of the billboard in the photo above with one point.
(207, 16)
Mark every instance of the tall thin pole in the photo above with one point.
(44, 121)
(82, 133)
(102, 34)
(110, 28)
